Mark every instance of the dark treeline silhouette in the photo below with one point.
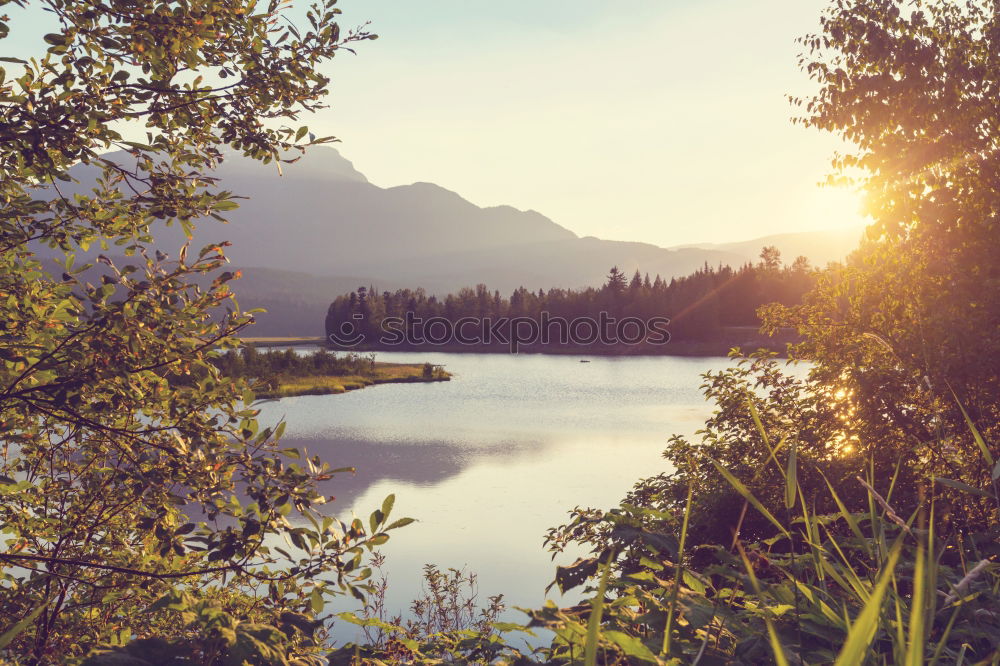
(700, 306)
(269, 364)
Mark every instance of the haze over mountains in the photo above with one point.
(322, 229)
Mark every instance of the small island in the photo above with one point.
(284, 373)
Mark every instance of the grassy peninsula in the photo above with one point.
(283, 373)
(383, 373)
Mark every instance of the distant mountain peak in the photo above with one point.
(318, 163)
(819, 247)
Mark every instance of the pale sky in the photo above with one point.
(662, 121)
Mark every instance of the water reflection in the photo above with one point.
(421, 464)
(487, 462)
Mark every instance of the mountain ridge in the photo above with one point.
(322, 220)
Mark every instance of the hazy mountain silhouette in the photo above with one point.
(820, 247)
(324, 217)
(299, 238)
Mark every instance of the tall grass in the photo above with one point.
(849, 588)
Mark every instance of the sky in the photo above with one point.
(663, 121)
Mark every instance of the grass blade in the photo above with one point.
(939, 650)
(964, 487)
(863, 629)
(12, 633)
(678, 572)
(772, 635)
(748, 496)
(975, 431)
(915, 640)
(791, 478)
(772, 451)
(848, 516)
(596, 611)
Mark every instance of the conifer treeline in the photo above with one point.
(699, 305)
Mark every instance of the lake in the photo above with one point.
(490, 460)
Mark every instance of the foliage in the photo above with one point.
(862, 584)
(446, 623)
(210, 635)
(250, 363)
(123, 484)
(913, 320)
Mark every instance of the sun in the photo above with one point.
(836, 207)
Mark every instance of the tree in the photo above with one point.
(140, 495)
(770, 259)
(800, 265)
(911, 326)
(615, 288)
(636, 283)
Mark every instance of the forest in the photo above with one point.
(699, 307)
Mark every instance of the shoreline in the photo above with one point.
(385, 373)
(706, 349)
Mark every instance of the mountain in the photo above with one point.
(324, 217)
(820, 247)
(321, 228)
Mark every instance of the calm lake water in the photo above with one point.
(490, 460)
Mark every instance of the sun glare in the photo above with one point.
(836, 207)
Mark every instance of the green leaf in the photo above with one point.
(847, 515)
(507, 627)
(916, 641)
(630, 645)
(402, 522)
(375, 519)
(694, 582)
(185, 529)
(387, 505)
(576, 574)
